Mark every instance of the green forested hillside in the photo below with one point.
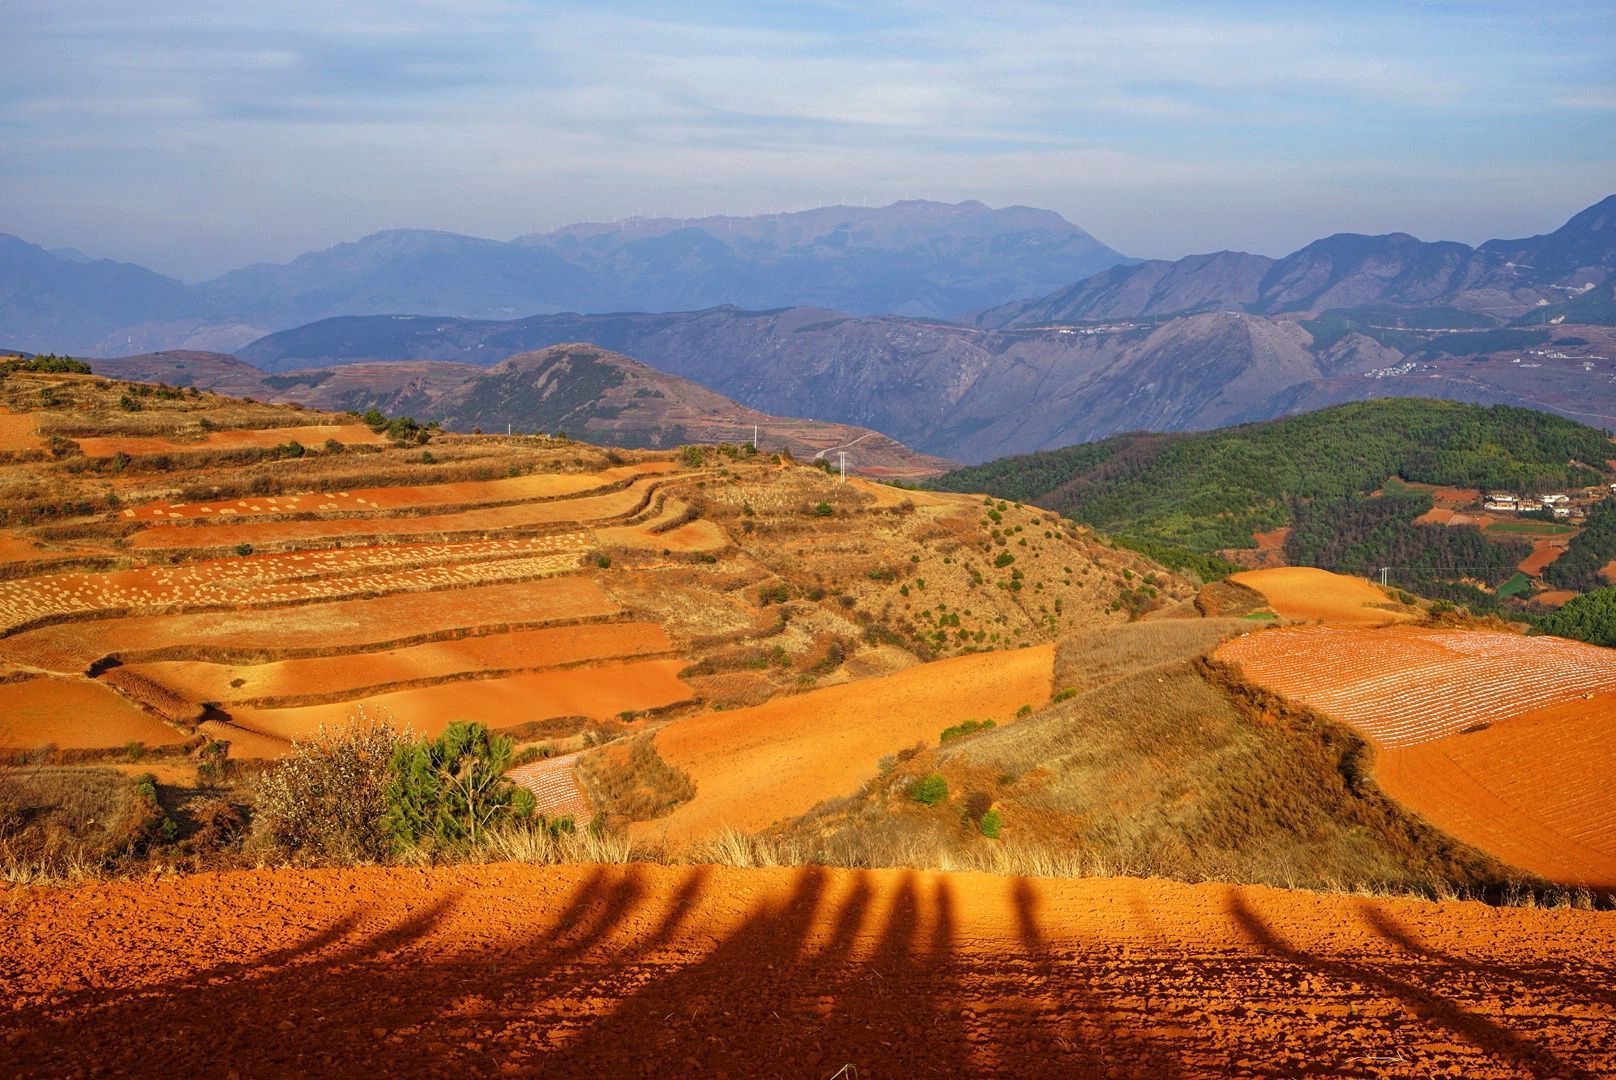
(1212, 490)
(1332, 476)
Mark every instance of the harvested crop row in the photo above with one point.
(283, 578)
(370, 500)
(584, 510)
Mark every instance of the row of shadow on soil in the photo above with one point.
(612, 986)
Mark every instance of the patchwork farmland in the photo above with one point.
(1504, 741)
(204, 572)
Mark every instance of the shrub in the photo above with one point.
(964, 728)
(603, 560)
(823, 510)
(327, 796)
(244, 549)
(990, 823)
(427, 458)
(451, 790)
(930, 791)
(977, 803)
(1023, 712)
(128, 404)
(1004, 560)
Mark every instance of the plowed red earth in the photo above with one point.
(1504, 741)
(643, 970)
(1543, 553)
(755, 766)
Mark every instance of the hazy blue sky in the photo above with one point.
(197, 135)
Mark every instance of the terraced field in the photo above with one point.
(221, 587)
(1505, 741)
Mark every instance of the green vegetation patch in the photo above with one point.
(1590, 618)
(1213, 490)
(1587, 553)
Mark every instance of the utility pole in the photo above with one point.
(843, 455)
(1383, 571)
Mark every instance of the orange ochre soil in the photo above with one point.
(1307, 595)
(646, 970)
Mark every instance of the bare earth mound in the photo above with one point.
(1305, 594)
(650, 970)
(1504, 741)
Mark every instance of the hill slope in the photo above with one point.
(1314, 474)
(600, 396)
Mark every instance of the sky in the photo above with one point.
(194, 136)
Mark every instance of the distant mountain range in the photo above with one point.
(1199, 343)
(585, 391)
(1500, 281)
(913, 257)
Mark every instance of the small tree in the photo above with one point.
(326, 797)
(931, 791)
(451, 789)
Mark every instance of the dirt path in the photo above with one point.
(699, 971)
(754, 766)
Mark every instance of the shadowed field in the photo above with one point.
(648, 970)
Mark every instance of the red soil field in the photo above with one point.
(598, 691)
(19, 431)
(1306, 594)
(579, 511)
(1455, 497)
(74, 714)
(315, 435)
(1534, 791)
(1273, 540)
(1556, 597)
(351, 673)
(1543, 553)
(509, 489)
(1608, 571)
(1506, 742)
(1405, 685)
(1437, 515)
(645, 970)
(335, 626)
(754, 766)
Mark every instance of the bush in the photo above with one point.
(990, 823)
(244, 549)
(451, 790)
(823, 510)
(930, 791)
(1004, 560)
(964, 728)
(327, 796)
